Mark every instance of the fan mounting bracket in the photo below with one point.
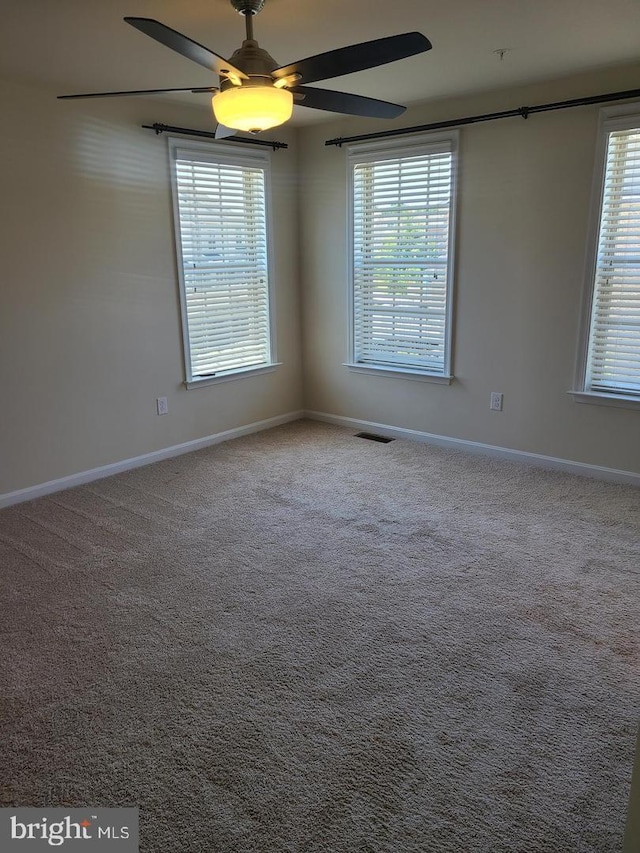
(248, 7)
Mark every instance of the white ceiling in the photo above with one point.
(83, 45)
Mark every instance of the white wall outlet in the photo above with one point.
(496, 401)
(162, 405)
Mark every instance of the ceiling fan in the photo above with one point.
(254, 93)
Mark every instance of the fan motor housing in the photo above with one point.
(256, 63)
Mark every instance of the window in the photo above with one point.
(611, 363)
(402, 229)
(222, 248)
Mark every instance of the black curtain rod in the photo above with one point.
(168, 128)
(525, 112)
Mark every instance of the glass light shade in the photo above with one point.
(252, 108)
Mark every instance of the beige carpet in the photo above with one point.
(303, 641)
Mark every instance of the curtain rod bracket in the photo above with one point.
(524, 112)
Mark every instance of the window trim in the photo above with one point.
(230, 375)
(398, 372)
(372, 151)
(619, 117)
(226, 153)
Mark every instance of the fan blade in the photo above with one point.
(342, 102)
(186, 46)
(222, 132)
(356, 57)
(135, 92)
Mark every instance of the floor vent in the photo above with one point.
(371, 436)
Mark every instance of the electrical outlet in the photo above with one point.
(162, 405)
(496, 401)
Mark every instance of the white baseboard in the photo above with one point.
(551, 462)
(83, 477)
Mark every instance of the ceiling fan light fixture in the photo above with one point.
(252, 108)
(257, 94)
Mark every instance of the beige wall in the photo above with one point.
(89, 315)
(525, 189)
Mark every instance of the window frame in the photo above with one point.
(620, 117)
(235, 155)
(385, 150)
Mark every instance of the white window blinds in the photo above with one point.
(223, 266)
(401, 220)
(613, 362)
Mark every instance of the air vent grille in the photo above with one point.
(371, 436)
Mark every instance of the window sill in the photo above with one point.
(399, 373)
(619, 401)
(230, 376)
